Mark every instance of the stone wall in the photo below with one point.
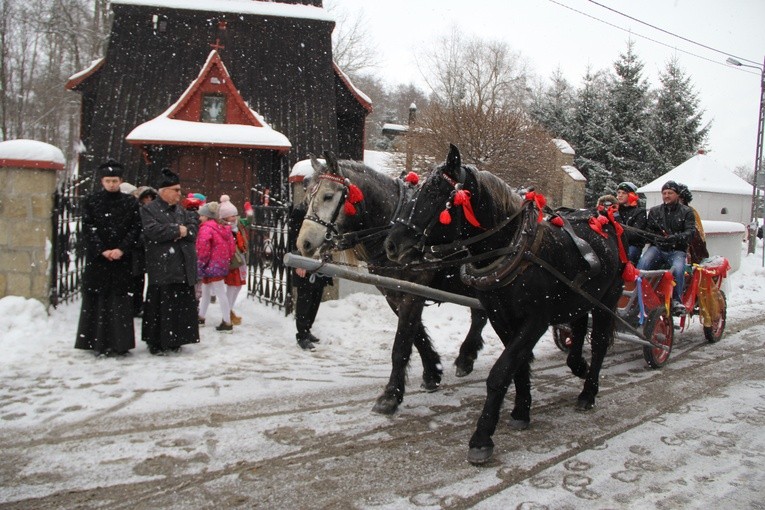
(26, 203)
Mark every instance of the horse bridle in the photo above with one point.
(350, 239)
(331, 225)
(422, 233)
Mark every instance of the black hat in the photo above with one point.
(671, 185)
(167, 178)
(110, 169)
(627, 186)
(685, 194)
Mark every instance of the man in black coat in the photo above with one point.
(170, 233)
(673, 225)
(111, 228)
(631, 215)
(310, 287)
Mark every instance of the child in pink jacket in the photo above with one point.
(215, 248)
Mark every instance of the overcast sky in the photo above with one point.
(550, 34)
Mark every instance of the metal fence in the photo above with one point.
(68, 251)
(268, 279)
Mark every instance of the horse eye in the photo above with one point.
(328, 196)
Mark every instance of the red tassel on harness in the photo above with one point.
(462, 198)
(540, 201)
(349, 209)
(445, 218)
(354, 194)
(412, 178)
(596, 224)
(557, 221)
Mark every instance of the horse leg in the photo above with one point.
(575, 359)
(472, 344)
(432, 370)
(521, 414)
(518, 352)
(409, 311)
(602, 334)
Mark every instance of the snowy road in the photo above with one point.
(218, 434)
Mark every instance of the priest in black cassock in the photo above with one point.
(111, 228)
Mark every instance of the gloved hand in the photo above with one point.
(670, 242)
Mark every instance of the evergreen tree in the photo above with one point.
(553, 107)
(631, 155)
(589, 134)
(677, 131)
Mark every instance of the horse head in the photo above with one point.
(332, 204)
(437, 214)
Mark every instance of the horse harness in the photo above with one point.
(350, 240)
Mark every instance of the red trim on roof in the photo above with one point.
(214, 78)
(74, 83)
(28, 163)
(352, 88)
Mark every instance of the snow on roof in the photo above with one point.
(714, 227)
(395, 127)
(381, 161)
(80, 76)
(563, 146)
(702, 173)
(183, 132)
(574, 173)
(363, 99)
(239, 7)
(31, 154)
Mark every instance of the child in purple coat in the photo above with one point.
(215, 248)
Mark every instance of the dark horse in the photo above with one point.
(528, 274)
(330, 220)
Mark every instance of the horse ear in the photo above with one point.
(331, 160)
(316, 165)
(453, 161)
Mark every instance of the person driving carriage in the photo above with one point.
(632, 215)
(672, 225)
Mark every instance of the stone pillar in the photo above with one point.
(28, 175)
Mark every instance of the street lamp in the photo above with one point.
(758, 155)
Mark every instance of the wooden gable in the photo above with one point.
(214, 80)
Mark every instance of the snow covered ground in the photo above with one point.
(49, 388)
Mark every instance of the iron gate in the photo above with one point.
(68, 251)
(268, 279)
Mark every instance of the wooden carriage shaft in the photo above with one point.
(336, 271)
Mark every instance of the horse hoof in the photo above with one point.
(385, 405)
(519, 424)
(463, 371)
(430, 386)
(584, 405)
(479, 456)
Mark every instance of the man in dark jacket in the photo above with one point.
(310, 287)
(170, 232)
(673, 225)
(631, 215)
(111, 228)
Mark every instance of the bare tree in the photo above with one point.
(478, 102)
(352, 48)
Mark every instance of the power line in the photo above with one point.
(672, 33)
(675, 48)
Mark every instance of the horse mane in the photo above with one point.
(505, 201)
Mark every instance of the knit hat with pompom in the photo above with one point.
(226, 207)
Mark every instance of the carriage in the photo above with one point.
(647, 311)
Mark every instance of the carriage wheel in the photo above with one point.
(562, 336)
(714, 333)
(659, 330)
